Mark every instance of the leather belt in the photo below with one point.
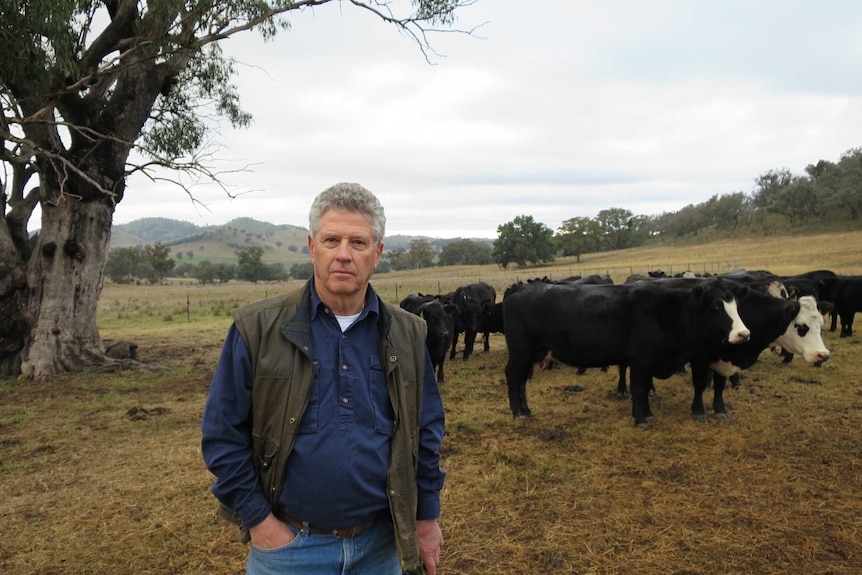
(307, 528)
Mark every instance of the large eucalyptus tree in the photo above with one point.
(83, 84)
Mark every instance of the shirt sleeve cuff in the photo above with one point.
(428, 507)
(254, 514)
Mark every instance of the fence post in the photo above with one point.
(188, 308)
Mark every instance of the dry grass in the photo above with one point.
(103, 474)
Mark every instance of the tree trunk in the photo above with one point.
(65, 275)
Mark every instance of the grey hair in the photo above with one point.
(350, 197)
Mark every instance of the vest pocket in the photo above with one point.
(265, 451)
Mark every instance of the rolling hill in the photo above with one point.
(283, 243)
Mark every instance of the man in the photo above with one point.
(324, 420)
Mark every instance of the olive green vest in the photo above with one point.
(277, 333)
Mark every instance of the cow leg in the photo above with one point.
(469, 342)
(718, 384)
(843, 326)
(640, 386)
(516, 380)
(834, 325)
(487, 346)
(454, 345)
(847, 323)
(622, 388)
(735, 380)
(700, 379)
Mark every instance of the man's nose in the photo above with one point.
(343, 251)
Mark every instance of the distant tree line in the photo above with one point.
(152, 263)
(826, 195)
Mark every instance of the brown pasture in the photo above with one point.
(102, 473)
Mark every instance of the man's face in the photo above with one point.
(344, 255)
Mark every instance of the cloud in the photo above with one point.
(558, 111)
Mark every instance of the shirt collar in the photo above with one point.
(372, 304)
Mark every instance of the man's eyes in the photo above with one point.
(355, 243)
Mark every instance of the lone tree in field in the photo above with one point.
(83, 83)
(523, 240)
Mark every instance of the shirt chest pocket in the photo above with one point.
(384, 415)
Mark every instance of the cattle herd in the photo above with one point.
(650, 327)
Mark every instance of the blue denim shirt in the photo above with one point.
(336, 473)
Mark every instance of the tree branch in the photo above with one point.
(123, 14)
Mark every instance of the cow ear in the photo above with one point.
(793, 293)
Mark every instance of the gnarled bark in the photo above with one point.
(65, 276)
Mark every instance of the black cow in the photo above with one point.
(845, 293)
(473, 302)
(760, 280)
(594, 279)
(773, 320)
(809, 283)
(440, 327)
(650, 328)
(492, 322)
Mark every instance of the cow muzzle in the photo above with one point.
(738, 337)
(819, 358)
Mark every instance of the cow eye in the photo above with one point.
(801, 329)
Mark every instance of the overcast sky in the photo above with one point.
(555, 109)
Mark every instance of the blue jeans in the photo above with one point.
(372, 552)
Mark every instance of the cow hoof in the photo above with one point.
(644, 425)
(701, 417)
(722, 416)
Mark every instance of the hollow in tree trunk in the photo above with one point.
(64, 278)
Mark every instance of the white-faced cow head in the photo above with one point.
(803, 334)
(739, 333)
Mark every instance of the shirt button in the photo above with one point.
(344, 367)
(345, 400)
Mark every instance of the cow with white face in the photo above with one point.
(803, 335)
(794, 325)
(772, 320)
